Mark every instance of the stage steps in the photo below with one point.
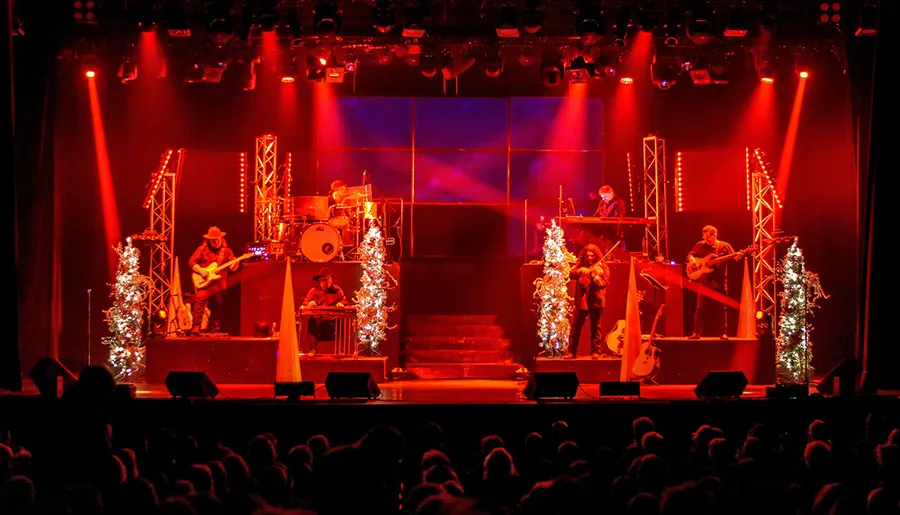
(457, 347)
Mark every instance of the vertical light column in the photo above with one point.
(765, 260)
(267, 203)
(656, 238)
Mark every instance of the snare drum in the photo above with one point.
(340, 221)
(321, 242)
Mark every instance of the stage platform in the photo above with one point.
(242, 360)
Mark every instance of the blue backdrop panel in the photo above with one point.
(461, 123)
(549, 122)
(368, 122)
(537, 176)
(460, 176)
(389, 171)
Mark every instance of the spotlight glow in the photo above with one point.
(90, 74)
(767, 80)
(323, 61)
(626, 80)
(804, 74)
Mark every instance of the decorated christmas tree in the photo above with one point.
(554, 305)
(125, 316)
(801, 292)
(371, 299)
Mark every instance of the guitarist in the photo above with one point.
(214, 249)
(715, 280)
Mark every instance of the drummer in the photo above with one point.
(336, 195)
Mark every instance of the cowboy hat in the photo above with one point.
(336, 184)
(213, 233)
(324, 272)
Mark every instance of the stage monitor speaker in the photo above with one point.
(620, 389)
(295, 390)
(188, 384)
(351, 385)
(552, 385)
(840, 380)
(721, 383)
(51, 377)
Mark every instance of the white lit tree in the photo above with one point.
(801, 292)
(125, 316)
(554, 305)
(372, 308)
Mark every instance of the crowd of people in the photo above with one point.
(557, 469)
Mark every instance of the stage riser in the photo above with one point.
(463, 370)
(431, 331)
(457, 343)
(227, 361)
(458, 356)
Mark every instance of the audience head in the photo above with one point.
(653, 443)
(489, 443)
(819, 431)
(641, 426)
(237, 472)
(433, 436)
(318, 445)
(17, 496)
(559, 433)
(567, 453)
(817, 455)
(499, 464)
(439, 474)
(419, 493)
(433, 457)
(643, 504)
(704, 435)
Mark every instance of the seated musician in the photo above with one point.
(611, 206)
(325, 294)
(336, 195)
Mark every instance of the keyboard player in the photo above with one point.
(326, 293)
(610, 206)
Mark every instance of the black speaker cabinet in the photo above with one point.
(190, 384)
(552, 385)
(840, 380)
(620, 389)
(721, 383)
(295, 390)
(51, 377)
(351, 385)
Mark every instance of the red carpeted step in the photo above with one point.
(452, 320)
(463, 370)
(429, 330)
(457, 356)
(456, 343)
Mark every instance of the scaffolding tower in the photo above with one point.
(765, 201)
(160, 236)
(656, 239)
(267, 201)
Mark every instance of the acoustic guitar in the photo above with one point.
(212, 272)
(696, 267)
(615, 340)
(646, 366)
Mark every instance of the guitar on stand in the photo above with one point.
(696, 267)
(646, 366)
(212, 272)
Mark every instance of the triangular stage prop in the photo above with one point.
(176, 302)
(632, 344)
(747, 314)
(287, 369)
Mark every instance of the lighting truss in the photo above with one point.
(656, 238)
(765, 260)
(268, 203)
(160, 201)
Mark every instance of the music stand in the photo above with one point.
(653, 280)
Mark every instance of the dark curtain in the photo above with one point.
(878, 351)
(10, 373)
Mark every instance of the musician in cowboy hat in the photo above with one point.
(213, 251)
(326, 293)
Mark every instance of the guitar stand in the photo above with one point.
(648, 380)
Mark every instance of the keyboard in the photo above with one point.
(594, 220)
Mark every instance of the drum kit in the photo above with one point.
(316, 232)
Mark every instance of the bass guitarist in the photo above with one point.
(714, 281)
(213, 250)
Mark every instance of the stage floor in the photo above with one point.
(463, 391)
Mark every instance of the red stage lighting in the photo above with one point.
(323, 61)
(767, 80)
(804, 74)
(90, 74)
(626, 80)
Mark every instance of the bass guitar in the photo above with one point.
(646, 366)
(212, 272)
(696, 267)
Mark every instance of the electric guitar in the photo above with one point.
(212, 272)
(646, 366)
(696, 267)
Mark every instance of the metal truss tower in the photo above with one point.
(160, 201)
(656, 237)
(267, 201)
(765, 202)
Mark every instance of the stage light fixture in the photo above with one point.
(507, 28)
(804, 74)
(90, 63)
(588, 23)
(868, 20)
(327, 19)
(699, 26)
(90, 74)
(248, 74)
(766, 73)
(738, 23)
(623, 20)
(527, 57)
(664, 71)
(267, 15)
(315, 70)
(493, 62)
(551, 71)
(673, 26)
(648, 19)
(146, 23)
(626, 80)
(383, 17)
(128, 70)
(768, 23)
(175, 20)
(428, 64)
(803, 63)
(290, 27)
(84, 12)
(577, 71)
(414, 27)
(532, 16)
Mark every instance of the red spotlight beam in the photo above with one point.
(790, 140)
(111, 224)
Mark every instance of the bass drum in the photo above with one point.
(320, 242)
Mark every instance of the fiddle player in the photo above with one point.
(591, 277)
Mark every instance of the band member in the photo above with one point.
(715, 280)
(214, 249)
(610, 206)
(591, 277)
(337, 193)
(326, 293)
